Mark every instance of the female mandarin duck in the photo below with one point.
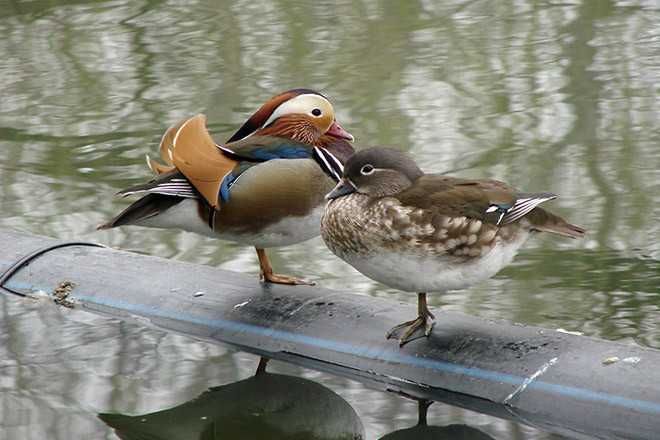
(262, 188)
(423, 232)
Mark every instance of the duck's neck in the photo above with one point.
(340, 148)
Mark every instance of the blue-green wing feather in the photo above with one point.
(263, 148)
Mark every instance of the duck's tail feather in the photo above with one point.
(148, 206)
(545, 221)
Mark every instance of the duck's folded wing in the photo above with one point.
(454, 197)
(262, 148)
(198, 158)
(211, 168)
(257, 149)
(490, 201)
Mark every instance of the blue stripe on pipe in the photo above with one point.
(379, 354)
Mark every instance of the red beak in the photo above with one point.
(337, 131)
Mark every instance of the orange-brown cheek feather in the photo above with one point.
(296, 127)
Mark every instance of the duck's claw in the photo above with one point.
(425, 320)
(421, 322)
(268, 276)
(275, 278)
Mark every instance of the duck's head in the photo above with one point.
(301, 114)
(376, 172)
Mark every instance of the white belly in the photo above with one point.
(286, 232)
(184, 215)
(429, 273)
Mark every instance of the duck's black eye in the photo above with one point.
(367, 169)
(316, 112)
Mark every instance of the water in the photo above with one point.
(549, 96)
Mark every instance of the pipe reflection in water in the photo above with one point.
(265, 406)
(422, 431)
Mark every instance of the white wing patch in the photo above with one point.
(522, 206)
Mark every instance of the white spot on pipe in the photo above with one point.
(239, 305)
(611, 360)
(570, 332)
(523, 386)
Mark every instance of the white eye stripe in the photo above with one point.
(367, 169)
(299, 104)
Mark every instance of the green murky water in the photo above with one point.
(549, 96)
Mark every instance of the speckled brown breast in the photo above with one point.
(355, 225)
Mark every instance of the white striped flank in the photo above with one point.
(174, 187)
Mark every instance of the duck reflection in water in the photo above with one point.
(265, 406)
(270, 406)
(422, 431)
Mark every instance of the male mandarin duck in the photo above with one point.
(426, 232)
(262, 188)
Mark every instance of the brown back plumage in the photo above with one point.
(471, 198)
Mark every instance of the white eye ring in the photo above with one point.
(367, 169)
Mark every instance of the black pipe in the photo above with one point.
(573, 385)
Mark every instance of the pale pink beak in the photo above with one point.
(337, 131)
